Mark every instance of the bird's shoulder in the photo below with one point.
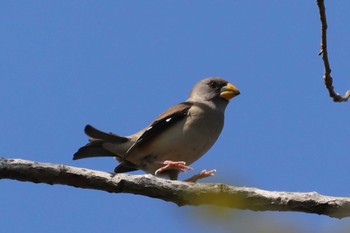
(176, 111)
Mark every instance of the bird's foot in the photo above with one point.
(173, 165)
(201, 175)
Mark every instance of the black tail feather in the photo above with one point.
(98, 134)
(92, 149)
(125, 166)
(88, 152)
(95, 147)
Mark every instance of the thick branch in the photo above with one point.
(328, 80)
(179, 192)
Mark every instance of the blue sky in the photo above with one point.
(118, 64)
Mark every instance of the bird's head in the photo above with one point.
(213, 89)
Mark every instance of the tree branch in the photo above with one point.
(328, 80)
(179, 192)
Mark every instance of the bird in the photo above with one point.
(174, 140)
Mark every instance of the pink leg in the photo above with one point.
(201, 175)
(175, 165)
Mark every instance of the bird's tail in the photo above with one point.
(94, 148)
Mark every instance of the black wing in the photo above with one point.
(163, 122)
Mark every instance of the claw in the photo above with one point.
(174, 165)
(201, 175)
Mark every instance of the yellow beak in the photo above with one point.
(229, 91)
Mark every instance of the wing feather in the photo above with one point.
(163, 122)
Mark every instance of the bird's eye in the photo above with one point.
(212, 84)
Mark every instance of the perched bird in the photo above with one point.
(176, 139)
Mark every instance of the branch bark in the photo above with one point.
(179, 192)
(328, 80)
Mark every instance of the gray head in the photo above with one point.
(214, 89)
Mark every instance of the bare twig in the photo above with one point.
(328, 80)
(179, 192)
